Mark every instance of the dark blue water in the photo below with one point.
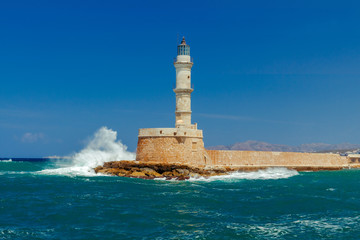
(36, 204)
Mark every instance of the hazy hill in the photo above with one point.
(309, 147)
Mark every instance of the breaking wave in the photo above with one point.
(103, 147)
(269, 173)
(7, 160)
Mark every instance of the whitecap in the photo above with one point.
(69, 171)
(322, 225)
(8, 160)
(269, 173)
(13, 172)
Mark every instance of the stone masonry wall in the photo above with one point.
(182, 150)
(255, 158)
(191, 151)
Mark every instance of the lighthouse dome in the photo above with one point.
(183, 48)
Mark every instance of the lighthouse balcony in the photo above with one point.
(171, 132)
(183, 59)
(183, 90)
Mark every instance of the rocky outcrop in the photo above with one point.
(148, 170)
(152, 170)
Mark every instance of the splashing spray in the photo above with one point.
(102, 148)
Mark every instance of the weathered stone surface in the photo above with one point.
(175, 149)
(183, 172)
(267, 159)
(194, 175)
(99, 168)
(190, 151)
(137, 174)
(151, 170)
(167, 174)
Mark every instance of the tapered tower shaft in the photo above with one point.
(183, 90)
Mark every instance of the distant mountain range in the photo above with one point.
(310, 147)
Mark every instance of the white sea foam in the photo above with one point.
(269, 230)
(8, 160)
(103, 147)
(269, 173)
(23, 233)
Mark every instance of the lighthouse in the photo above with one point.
(182, 144)
(183, 90)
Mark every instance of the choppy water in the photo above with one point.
(39, 200)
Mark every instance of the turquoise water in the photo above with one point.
(272, 204)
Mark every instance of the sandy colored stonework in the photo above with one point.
(152, 170)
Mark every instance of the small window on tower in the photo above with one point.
(194, 145)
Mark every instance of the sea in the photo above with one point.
(45, 198)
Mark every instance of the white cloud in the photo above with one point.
(32, 137)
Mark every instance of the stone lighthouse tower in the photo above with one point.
(184, 143)
(183, 90)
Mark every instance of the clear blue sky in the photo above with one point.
(285, 72)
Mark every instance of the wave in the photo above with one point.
(13, 172)
(24, 233)
(6, 160)
(103, 147)
(266, 174)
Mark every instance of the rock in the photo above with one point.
(124, 171)
(176, 173)
(113, 171)
(182, 178)
(221, 169)
(194, 175)
(183, 172)
(103, 170)
(135, 169)
(137, 174)
(212, 173)
(150, 172)
(98, 168)
(168, 174)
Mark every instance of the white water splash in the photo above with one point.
(269, 173)
(102, 148)
(8, 160)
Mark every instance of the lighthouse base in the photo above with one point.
(171, 145)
